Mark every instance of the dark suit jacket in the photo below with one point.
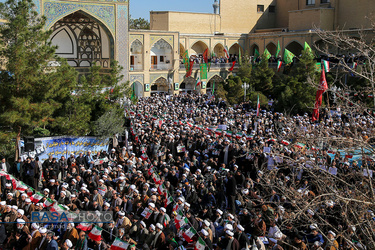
(52, 245)
(107, 235)
(127, 207)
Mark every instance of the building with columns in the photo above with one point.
(96, 32)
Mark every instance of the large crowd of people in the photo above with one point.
(201, 171)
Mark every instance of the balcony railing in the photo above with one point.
(213, 65)
(161, 67)
(136, 67)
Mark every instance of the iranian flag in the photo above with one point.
(300, 145)
(96, 233)
(144, 157)
(198, 82)
(232, 67)
(36, 197)
(350, 156)
(279, 64)
(315, 148)
(199, 127)
(176, 207)
(168, 200)
(156, 178)
(249, 137)
(21, 186)
(286, 143)
(272, 139)
(226, 51)
(239, 135)
(84, 226)
(154, 117)
(189, 234)
(212, 128)
(258, 106)
(48, 203)
(181, 223)
(146, 213)
(166, 220)
(219, 131)
(29, 191)
(58, 208)
(326, 65)
(119, 245)
(179, 216)
(200, 245)
(161, 123)
(151, 170)
(228, 133)
(102, 190)
(162, 189)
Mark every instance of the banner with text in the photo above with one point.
(61, 145)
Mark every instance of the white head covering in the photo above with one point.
(68, 243)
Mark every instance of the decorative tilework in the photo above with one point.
(134, 78)
(37, 5)
(122, 38)
(154, 77)
(56, 10)
(168, 39)
(135, 37)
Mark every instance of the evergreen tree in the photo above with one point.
(261, 77)
(234, 89)
(29, 84)
(294, 93)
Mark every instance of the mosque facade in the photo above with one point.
(96, 32)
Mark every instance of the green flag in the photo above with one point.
(203, 71)
(288, 56)
(186, 60)
(267, 54)
(133, 93)
(278, 49)
(256, 53)
(213, 87)
(239, 56)
(318, 67)
(308, 49)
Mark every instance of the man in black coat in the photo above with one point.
(231, 192)
(241, 237)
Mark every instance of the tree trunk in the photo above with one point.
(18, 138)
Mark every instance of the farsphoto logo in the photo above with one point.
(67, 217)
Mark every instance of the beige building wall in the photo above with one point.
(148, 74)
(242, 16)
(322, 18)
(185, 22)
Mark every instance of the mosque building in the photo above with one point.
(91, 32)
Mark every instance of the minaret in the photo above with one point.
(216, 6)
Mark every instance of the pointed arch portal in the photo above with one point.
(83, 41)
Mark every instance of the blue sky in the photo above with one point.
(142, 8)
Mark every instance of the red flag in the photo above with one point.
(190, 69)
(318, 99)
(205, 56)
(231, 68)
